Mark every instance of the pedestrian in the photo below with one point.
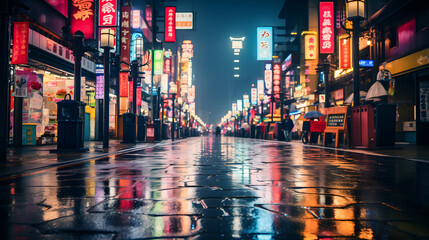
(217, 131)
(287, 128)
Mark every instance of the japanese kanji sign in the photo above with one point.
(123, 84)
(167, 65)
(125, 36)
(170, 24)
(99, 82)
(345, 53)
(326, 27)
(21, 32)
(185, 20)
(254, 96)
(158, 62)
(276, 79)
(130, 91)
(265, 43)
(310, 42)
(139, 96)
(82, 12)
(107, 13)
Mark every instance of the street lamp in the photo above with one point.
(173, 92)
(355, 13)
(107, 38)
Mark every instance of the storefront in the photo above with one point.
(411, 95)
(44, 81)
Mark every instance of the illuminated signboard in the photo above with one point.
(167, 65)
(190, 75)
(366, 63)
(136, 19)
(345, 56)
(158, 62)
(239, 105)
(123, 84)
(99, 82)
(261, 88)
(21, 32)
(125, 36)
(265, 43)
(276, 79)
(107, 13)
(254, 96)
(170, 24)
(326, 26)
(184, 20)
(234, 109)
(310, 46)
(191, 94)
(268, 80)
(82, 19)
(245, 100)
(139, 96)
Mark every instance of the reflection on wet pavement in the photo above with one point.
(212, 188)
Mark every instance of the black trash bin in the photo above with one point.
(71, 119)
(157, 125)
(130, 127)
(164, 131)
(141, 128)
(385, 124)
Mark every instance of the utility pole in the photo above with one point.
(4, 77)
(134, 76)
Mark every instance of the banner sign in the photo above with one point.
(345, 57)
(239, 105)
(159, 58)
(268, 80)
(167, 65)
(99, 82)
(123, 84)
(139, 96)
(310, 47)
(184, 20)
(82, 12)
(261, 87)
(276, 79)
(191, 94)
(326, 26)
(21, 32)
(265, 43)
(254, 96)
(245, 100)
(130, 91)
(136, 19)
(125, 36)
(170, 24)
(234, 109)
(107, 13)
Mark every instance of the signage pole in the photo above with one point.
(106, 99)
(4, 69)
(356, 81)
(77, 53)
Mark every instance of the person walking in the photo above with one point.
(287, 129)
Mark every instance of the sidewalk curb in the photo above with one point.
(363, 152)
(27, 172)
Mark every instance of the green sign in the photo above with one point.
(298, 87)
(159, 57)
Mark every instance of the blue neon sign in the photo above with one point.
(366, 63)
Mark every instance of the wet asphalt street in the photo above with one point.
(211, 188)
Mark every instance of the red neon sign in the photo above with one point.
(21, 32)
(123, 84)
(326, 26)
(167, 65)
(345, 54)
(276, 79)
(82, 12)
(107, 13)
(170, 24)
(139, 96)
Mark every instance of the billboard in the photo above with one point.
(107, 13)
(254, 96)
(125, 36)
(82, 17)
(265, 43)
(326, 27)
(345, 56)
(184, 20)
(310, 46)
(261, 88)
(170, 24)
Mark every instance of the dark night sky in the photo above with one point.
(216, 22)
